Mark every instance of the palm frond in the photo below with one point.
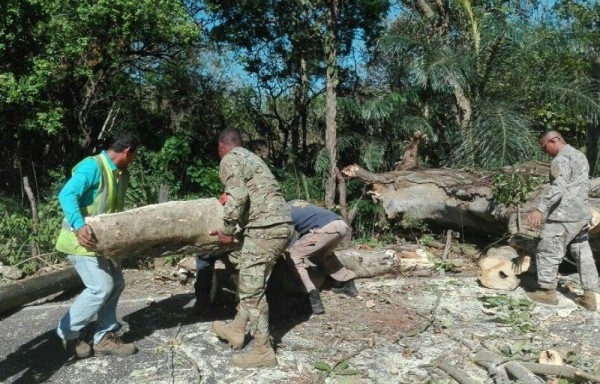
(372, 154)
(412, 124)
(322, 162)
(383, 107)
(501, 137)
(441, 69)
(574, 94)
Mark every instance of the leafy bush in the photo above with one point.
(21, 237)
(174, 167)
(512, 187)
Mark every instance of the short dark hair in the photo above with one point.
(122, 140)
(230, 136)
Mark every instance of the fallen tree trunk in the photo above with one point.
(159, 229)
(368, 263)
(501, 266)
(461, 200)
(365, 263)
(26, 291)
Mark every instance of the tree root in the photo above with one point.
(562, 371)
(456, 373)
(527, 371)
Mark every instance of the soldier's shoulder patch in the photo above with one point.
(556, 168)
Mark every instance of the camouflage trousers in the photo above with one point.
(260, 250)
(555, 238)
(317, 247)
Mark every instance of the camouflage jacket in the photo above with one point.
(254, 198)
(567, 199)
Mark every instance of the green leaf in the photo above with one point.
(322, 366)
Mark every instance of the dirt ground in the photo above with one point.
(397, 331)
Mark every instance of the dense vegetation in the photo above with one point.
(312, 84)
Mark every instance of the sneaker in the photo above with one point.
(111, 344)
(77, 347)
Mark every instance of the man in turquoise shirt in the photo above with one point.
(97, 186)
(82, 189)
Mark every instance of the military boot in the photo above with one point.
(262, 356)
(544, 296)
(347, 288)
(315, 302)
(234, 333)
(587, 300)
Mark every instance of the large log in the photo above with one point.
(154, 230)
(369, 263)
(365, 263)
(23, 292)
(461, 199)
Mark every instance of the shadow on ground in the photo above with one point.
(36, 360)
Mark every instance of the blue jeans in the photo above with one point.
(104, 284)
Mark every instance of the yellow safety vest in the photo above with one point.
(110, 198)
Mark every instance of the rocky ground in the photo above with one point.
(398, 330)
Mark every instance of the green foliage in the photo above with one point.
(513, 187)
(514, 313)
(70, 70)
(447, 265)
(427, 239)
(518, 348)
(486, 84)
(371, 225)
(19, 234)
(174, 166)
(340, 369)
(295, 184)
(410, 223)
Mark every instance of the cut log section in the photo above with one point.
(155, 230)
(501, 266)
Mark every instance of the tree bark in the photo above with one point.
(456, 373)
(31, 197)
(365, 263)
(369, 263)
(344, 207)
(592, 129)
(17, 294)
(461, 200)
(331, 42)
(158, 229)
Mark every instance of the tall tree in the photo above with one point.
(300, 42)
(69, 66)
(489, 63)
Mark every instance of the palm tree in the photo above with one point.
(481, 77)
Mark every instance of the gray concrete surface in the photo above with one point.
(363, 331)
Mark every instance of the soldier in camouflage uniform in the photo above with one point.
(255, 206)
(568, 216)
